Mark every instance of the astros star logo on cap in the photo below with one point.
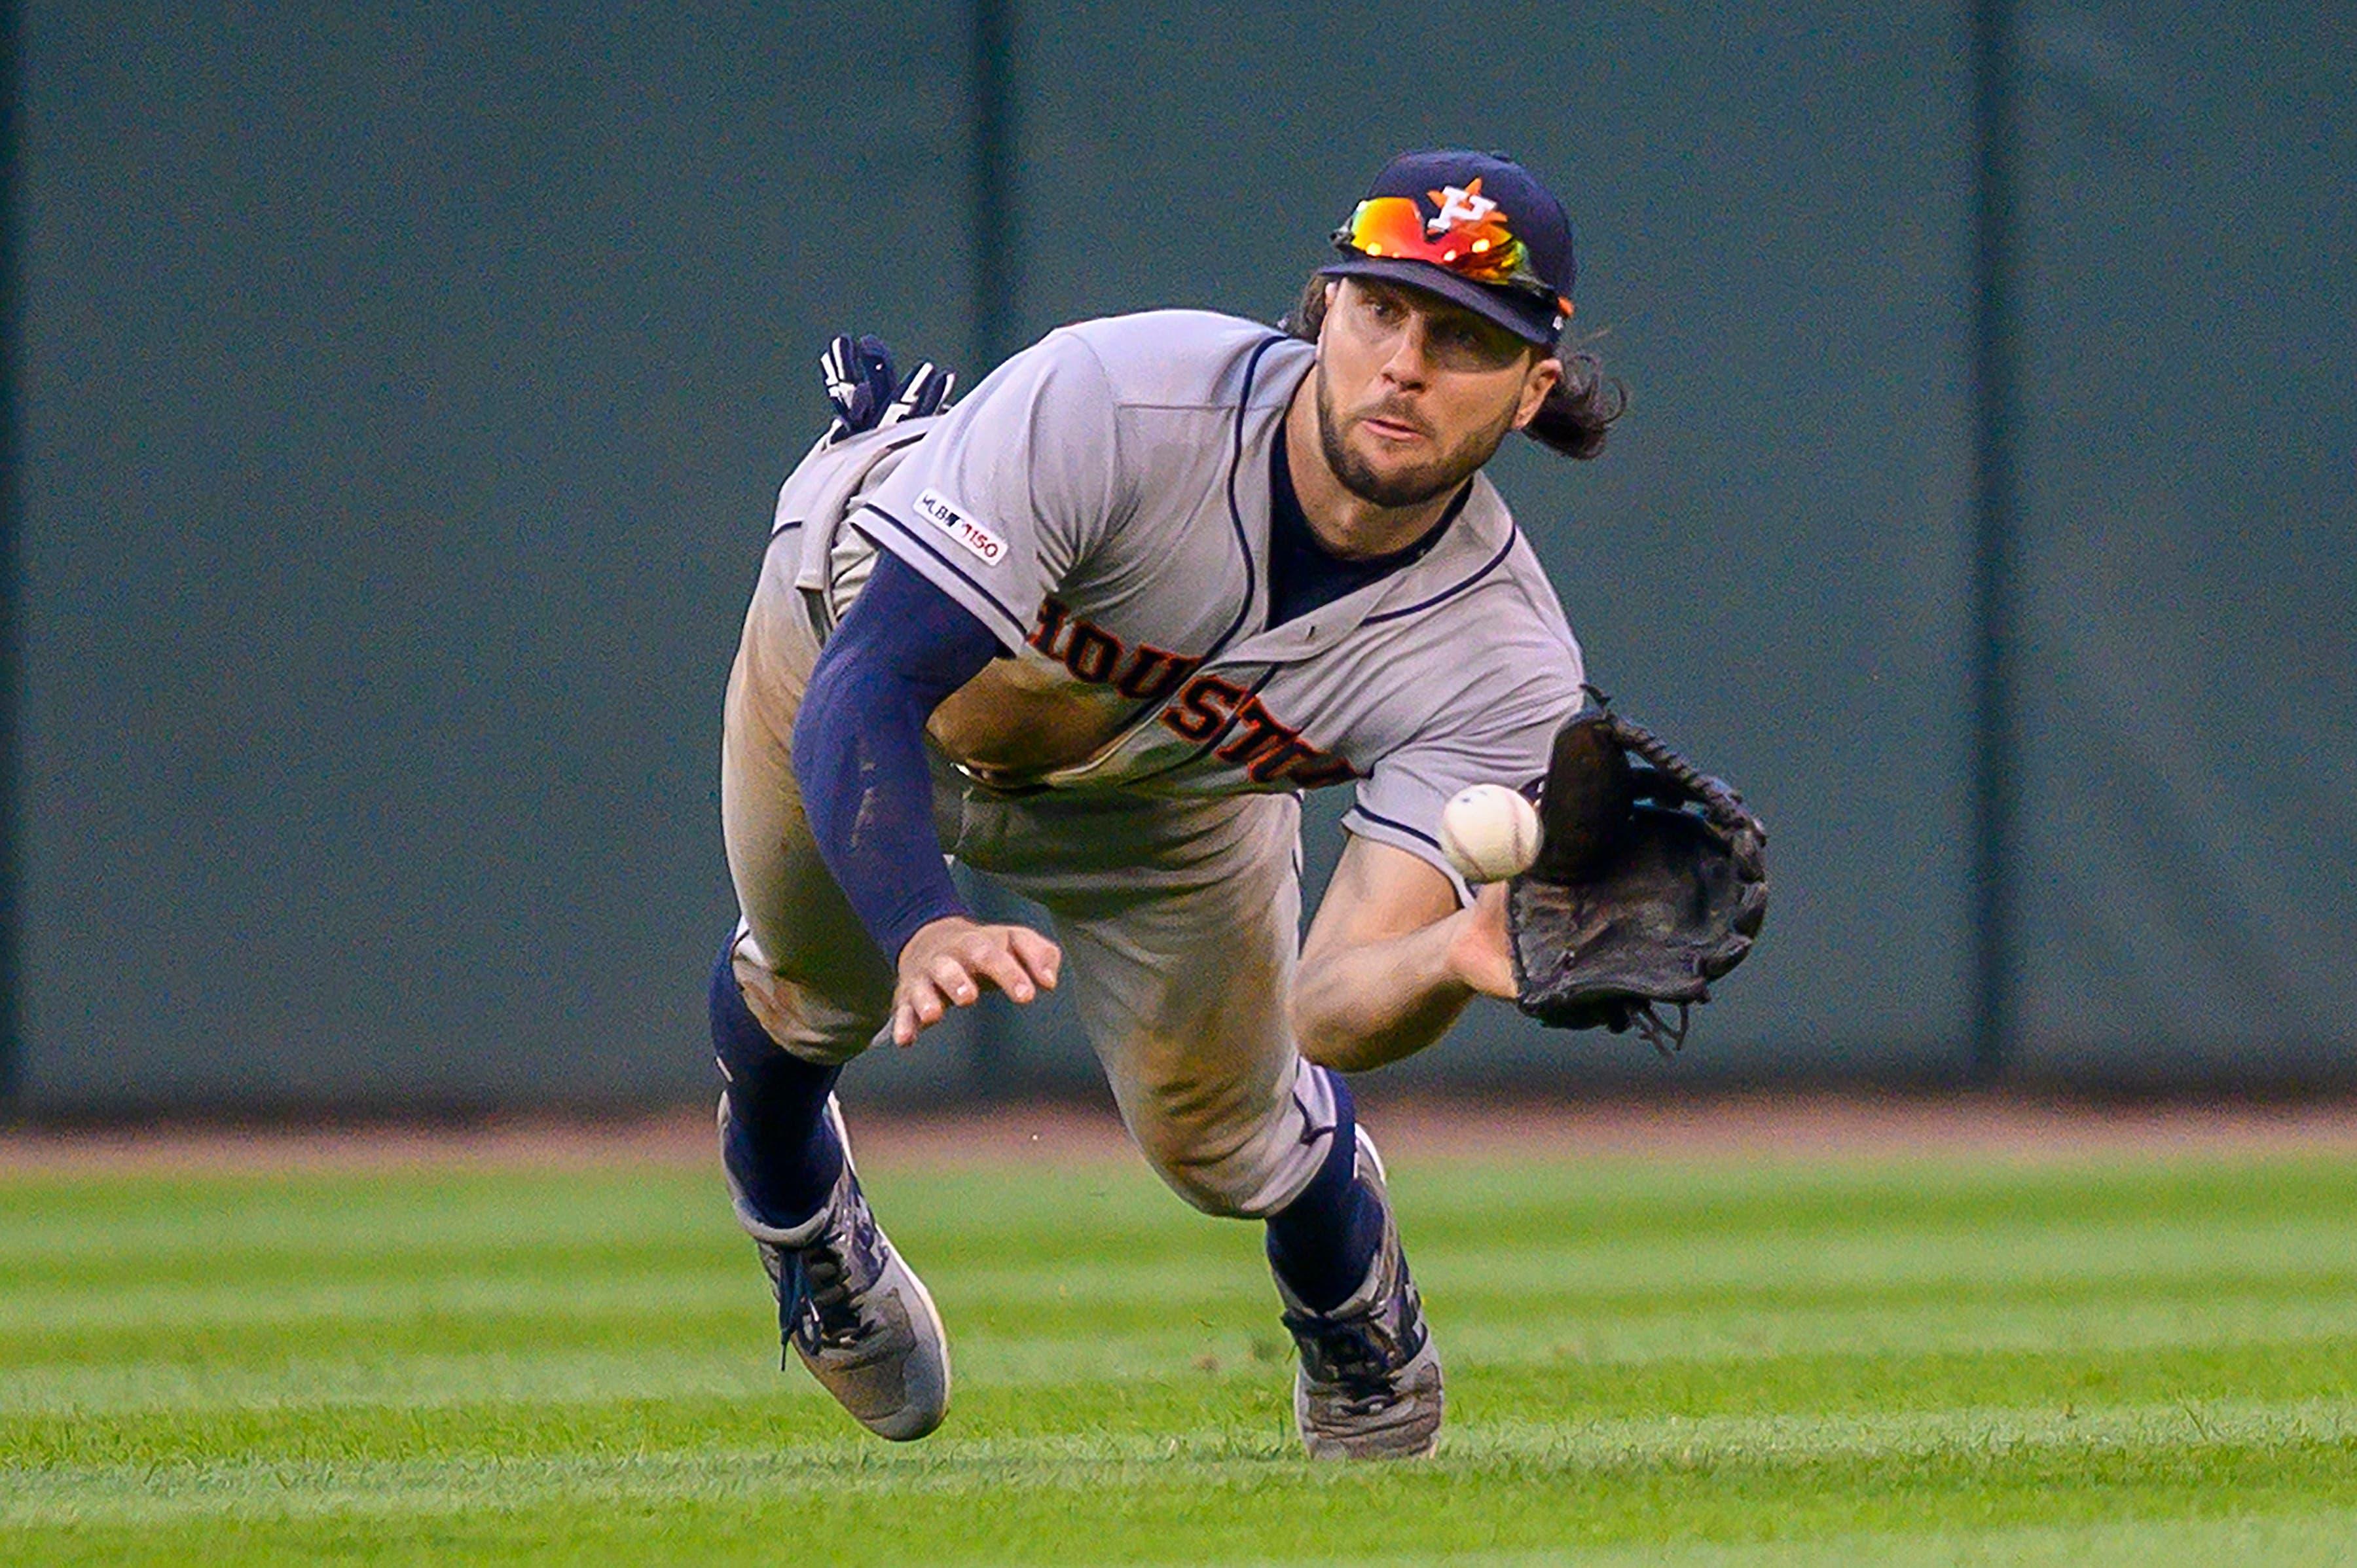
(1458, 206)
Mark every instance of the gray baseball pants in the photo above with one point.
(1178, 921)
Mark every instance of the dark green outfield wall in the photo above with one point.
(2191, 548)
(402, 400)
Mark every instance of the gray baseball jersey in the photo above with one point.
(1101, 503)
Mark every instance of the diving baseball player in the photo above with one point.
(1091, 632)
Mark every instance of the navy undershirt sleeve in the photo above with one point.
(860, 747)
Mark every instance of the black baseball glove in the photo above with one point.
(1651, 883)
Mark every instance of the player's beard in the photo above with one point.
(1406, 486)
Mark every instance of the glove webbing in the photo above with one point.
(1692, 783)
(1721, 806)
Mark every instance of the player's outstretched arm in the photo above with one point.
(859, 759)
(1392, 960)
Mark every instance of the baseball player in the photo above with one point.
(1091, 633)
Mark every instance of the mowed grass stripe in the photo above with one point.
(555, 1406)
(2310, 1540)
(361, 1212)
(2016, 1251)
(714, 1306)
(1446, 1242)
(709, 1297)
(415, 1381)
(111, 1226)
(1623, 1276)
(434, 1361)
(1173, 1507)
(145, 1219)
(1551, 1332)
(1831, 1194)
(730, 1305)
(1046, 1460)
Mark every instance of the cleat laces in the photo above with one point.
(815, 1296)
(1355, 1355)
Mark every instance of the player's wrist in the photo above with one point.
(1475, 955)
(904, 934)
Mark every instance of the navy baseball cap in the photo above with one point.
(1476, 229)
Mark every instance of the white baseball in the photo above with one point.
(1489, 832)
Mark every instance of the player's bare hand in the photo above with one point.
(1478, 951)
(949, 962)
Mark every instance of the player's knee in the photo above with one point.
(804, 1020)
(1240, 1169)
(1208, 1185)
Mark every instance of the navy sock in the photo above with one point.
(781, 1147)
(1323, 1242)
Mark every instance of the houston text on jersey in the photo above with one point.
(1269, 750)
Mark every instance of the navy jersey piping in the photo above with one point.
(1454, 588)
(1358, 811)
(1235, 512)
(921, 542)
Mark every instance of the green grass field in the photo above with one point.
(1651, 1362)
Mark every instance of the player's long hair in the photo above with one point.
(1578, 410)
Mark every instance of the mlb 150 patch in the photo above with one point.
(953, 521)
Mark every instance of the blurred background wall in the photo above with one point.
(401, 396)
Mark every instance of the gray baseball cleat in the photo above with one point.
(859, 1317)
(1369, 1383)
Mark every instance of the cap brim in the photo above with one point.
(1528, 319)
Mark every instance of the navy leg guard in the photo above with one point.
(1323, 1243)
(781, 1147)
